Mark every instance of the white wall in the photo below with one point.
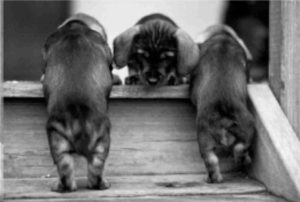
(118, 15)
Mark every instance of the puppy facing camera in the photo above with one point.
(77, 81)
(156, 51)
(219, 91)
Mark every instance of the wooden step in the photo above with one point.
(136, 186)
(153, 139)
(148, 137)
(260, 197)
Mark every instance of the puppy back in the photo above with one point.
(77, 64)
(220, 77)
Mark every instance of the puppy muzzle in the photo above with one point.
(153, 78)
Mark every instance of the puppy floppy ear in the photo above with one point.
(188, 53)
(122, 45)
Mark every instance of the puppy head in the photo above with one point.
(221, 42)
(76, 24)
(90, 21)
(214, 30)
(155, 51)
(78, 36)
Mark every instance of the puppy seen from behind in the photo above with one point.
(219, 92)
(155, 50)
(77, 82)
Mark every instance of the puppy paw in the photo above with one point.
(100, 184)
(104, 184)
(116, 80)
(241, 155)
(132, 80)
(214, 178)
(243, 160)
(173, 81)
(247, 159)
(60, 187)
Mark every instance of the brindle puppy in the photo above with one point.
(77, 82)
(156, 51)
(219, 91)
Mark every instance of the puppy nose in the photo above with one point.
(152, 77)
(152, 80)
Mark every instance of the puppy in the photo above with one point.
(77, 82)
(219, 91)
(155, 51)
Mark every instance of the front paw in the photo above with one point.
(64, 187)
(98, 184)
(132, 80)
(174, 80)
(116, 80)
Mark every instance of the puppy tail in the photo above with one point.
(68, 120)
(79, 124)
(226, 137)
(87, 125)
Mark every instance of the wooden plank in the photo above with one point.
(1, 93)
(199, 198)
(148, 137)
(135, 186)
(276, 155)
(275, 49)
(30, 89)
(284, 58)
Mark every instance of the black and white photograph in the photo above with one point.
(150, 100)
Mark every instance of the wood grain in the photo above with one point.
(275, 49)
(1, 94)
(30, 89)
(284, 58)
(156, 137)
(276, 154)
(136, 186)
(260, 197)
(148, 137)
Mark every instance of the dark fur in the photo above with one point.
(219, 91)
(77, 83)
(155, 39)
(152, 51)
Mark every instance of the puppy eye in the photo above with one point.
(167, 54)
(142, 52)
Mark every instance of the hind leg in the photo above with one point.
(212, 165)
(99, 148)
(244, 130)
(95, 173)
(207, 147)
(241, 154)
(61, 153)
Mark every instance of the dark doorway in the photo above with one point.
(26, 27)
